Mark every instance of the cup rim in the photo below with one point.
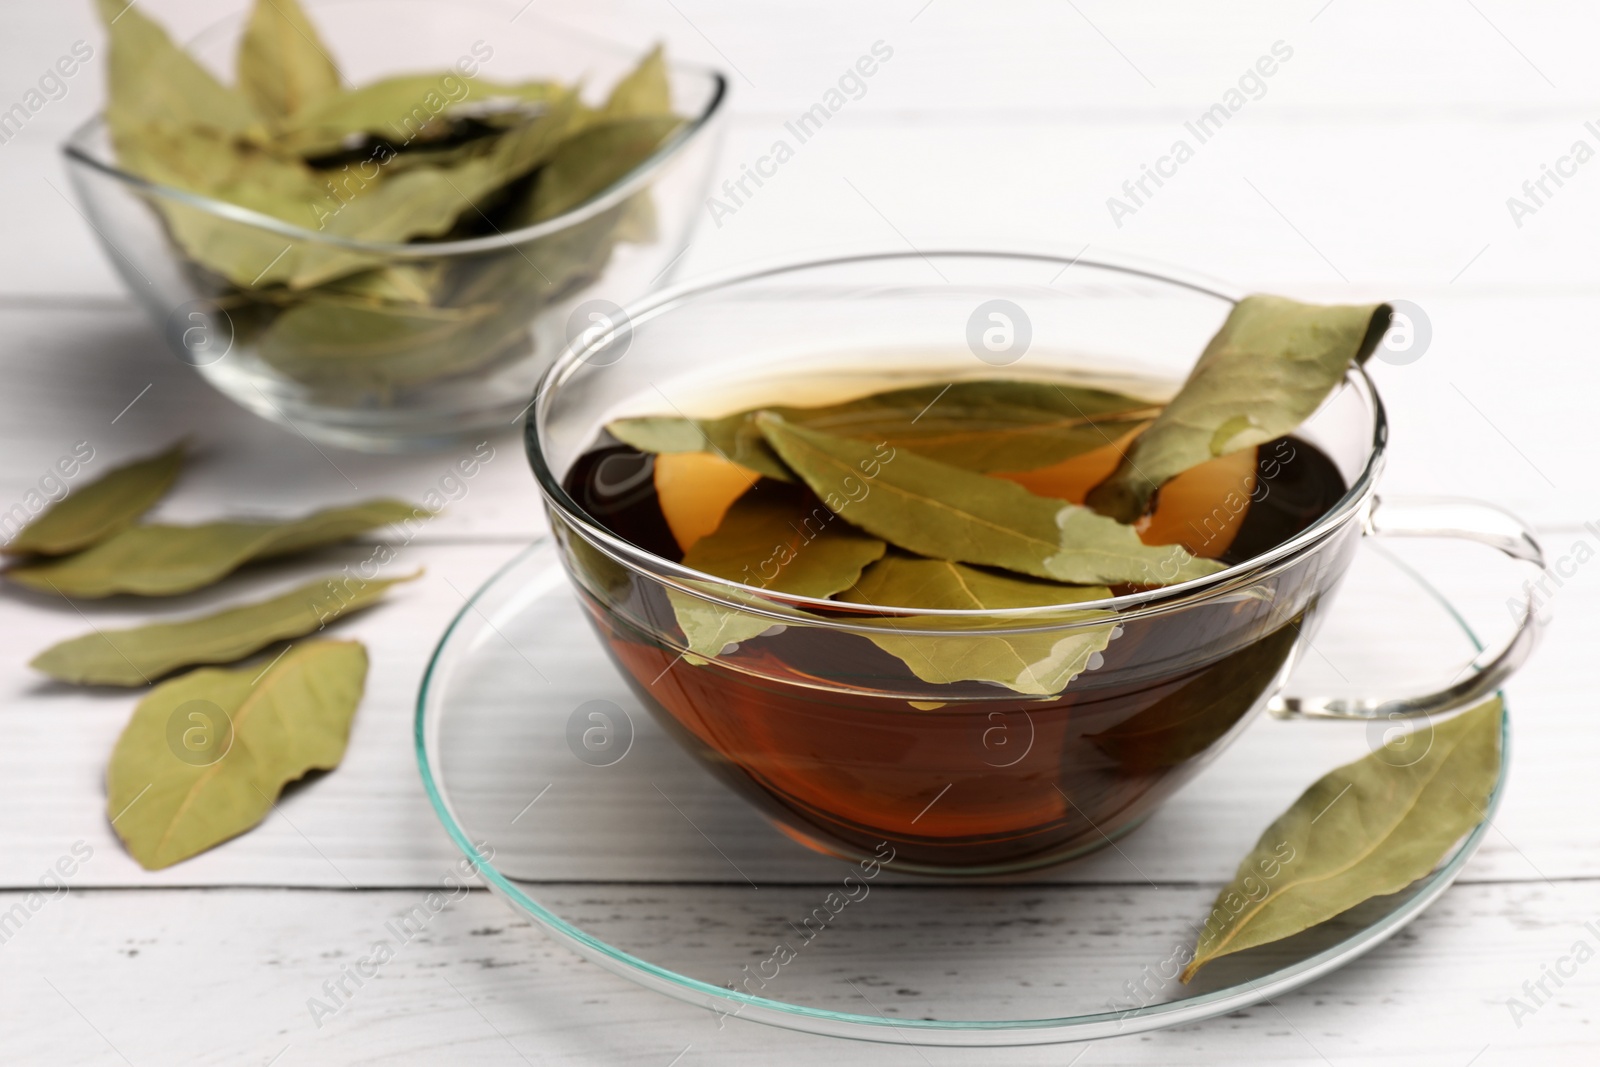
(783, 607)
(76, 148)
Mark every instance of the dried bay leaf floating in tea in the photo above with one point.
(735, 438)
(165, 560)
(1264, 372)
(979, 425)
(1369, 828)
(101, 508)
(1039, 663)
(776, 538)
(941, 511)
(145, 653)
(205, 755)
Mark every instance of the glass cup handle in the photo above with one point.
(1462, 520)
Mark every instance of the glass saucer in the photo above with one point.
(600, 830)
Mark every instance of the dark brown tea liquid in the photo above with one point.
(845, 748)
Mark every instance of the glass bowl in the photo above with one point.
(456, 344)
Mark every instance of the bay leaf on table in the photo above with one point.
(99, 509)
(152, 81)
(980, 425)
(283, 65)
(158, 560)
(1366, 829)
(777, 529)
(934, 509)
(1264, 372)
(143, 654)
(1038, 662)
(205, 755)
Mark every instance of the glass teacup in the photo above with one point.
(967, 777)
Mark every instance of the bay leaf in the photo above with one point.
(1366, 829)
(405, 110)
(1264, 372)
(397, 283)
(575, 256)
(643, 92)
(987, 424)
(101, 508)
(153, 81)
(774, 537)
(392, 207)
(393, 110)
(425, 202)
(980, 425)
(220, 168)
(1188, 720)
(596, 158)
(735, 438)
(142, 654)
(350, 344)
(1037, 663)
(934, 509)
(283, 66)
(206, 754)
(158, 560)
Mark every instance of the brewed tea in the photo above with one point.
(848, 744)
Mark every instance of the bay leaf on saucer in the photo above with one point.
(1366, 829)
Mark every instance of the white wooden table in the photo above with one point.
(1376, 163)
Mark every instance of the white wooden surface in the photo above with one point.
(1378, 163)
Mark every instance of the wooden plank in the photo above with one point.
(227, 976)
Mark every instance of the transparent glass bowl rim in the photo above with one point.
(949, 1032)
(77, 149)
(783, 608)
